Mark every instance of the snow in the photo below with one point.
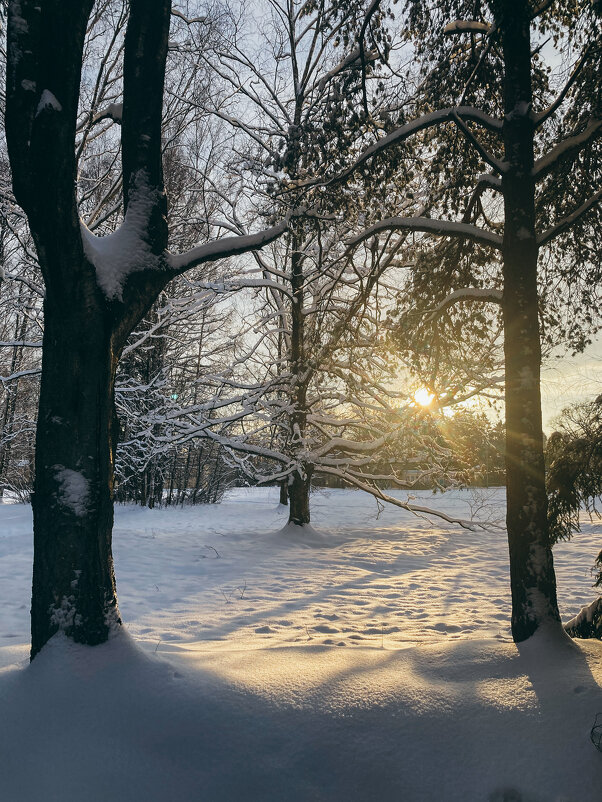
(367, 657)
(441, 228)
(48, 102)
(73, 491)
(126, 250)
(467, 26)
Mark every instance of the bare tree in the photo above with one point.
(97, 289)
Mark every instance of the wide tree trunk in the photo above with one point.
(73, 490)
(532, 578)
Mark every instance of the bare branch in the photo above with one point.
(497, 165)
(541, 8)
(369, 14)
(544, 115)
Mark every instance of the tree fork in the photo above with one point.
(73, 581)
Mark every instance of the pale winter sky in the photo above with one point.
(570, 380)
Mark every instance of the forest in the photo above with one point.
(244, 252)
(313, 246)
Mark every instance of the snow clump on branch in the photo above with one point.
(125, 250)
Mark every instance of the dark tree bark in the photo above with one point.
(532, 578)
(299, 486)
(283, 499)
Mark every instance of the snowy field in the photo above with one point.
(366, 659)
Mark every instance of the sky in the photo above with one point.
(568, 381)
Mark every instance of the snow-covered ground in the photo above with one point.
(367, 659)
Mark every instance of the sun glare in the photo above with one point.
(423, 397)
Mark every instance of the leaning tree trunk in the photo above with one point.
(532, 578)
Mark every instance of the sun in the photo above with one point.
(423, 397)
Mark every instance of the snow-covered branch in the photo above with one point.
(114, 111)
(225, 247)
(467, 26)
(20, 344)
(567, 222)
(409, 129)
(404, 505)
(187, 20)
(440, 228)
(571, 144)
(28, 283)
(479, 294)
(20, 375)
(344, 64)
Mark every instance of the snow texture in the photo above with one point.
(369, 658)
(114, 111)
(73, 491)
(467, 26)
(126, 250)
(48, 102)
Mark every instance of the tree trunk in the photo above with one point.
(300, 485)
(298, 492)
(84, 329)
(532, 578)
(284, 492)
(73, 491)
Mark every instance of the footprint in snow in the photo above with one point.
(325, 628)
(443, 627)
